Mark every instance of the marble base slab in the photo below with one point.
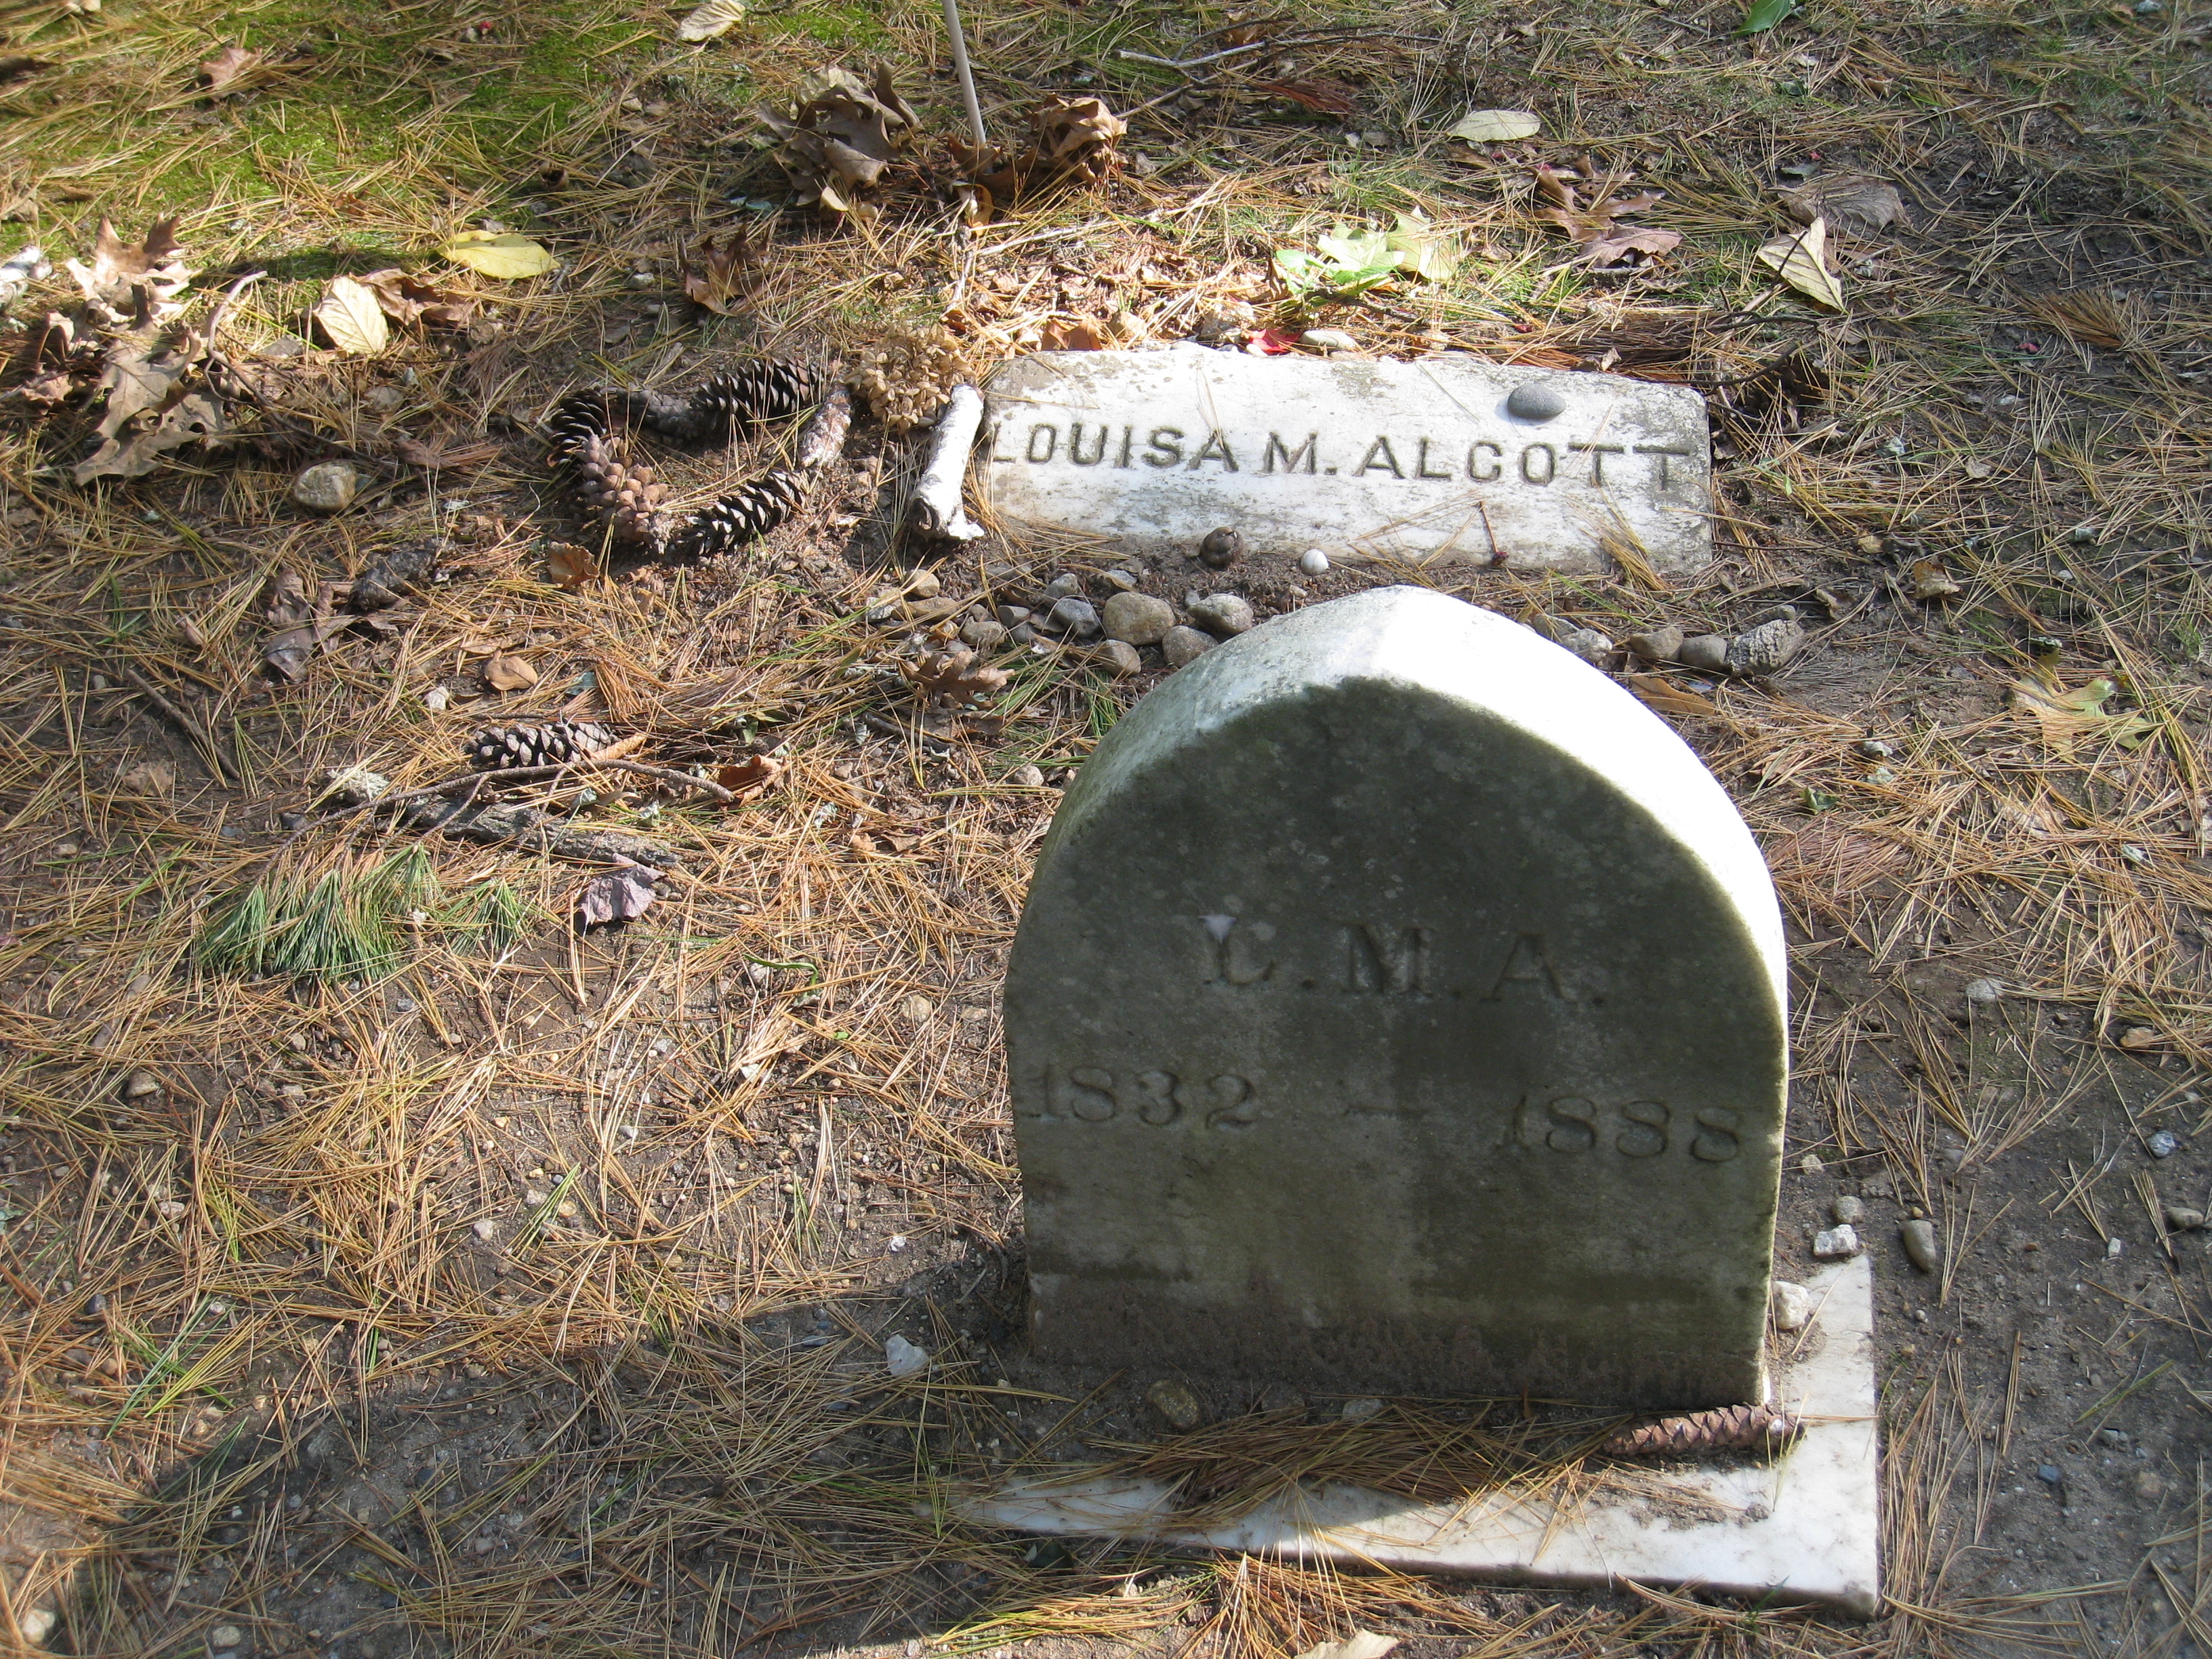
(1804, 1528)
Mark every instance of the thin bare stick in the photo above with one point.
(967, 76)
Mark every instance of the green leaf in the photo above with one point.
(1763, 15)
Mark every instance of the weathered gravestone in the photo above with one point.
(1398, 1006)
(1449, 458)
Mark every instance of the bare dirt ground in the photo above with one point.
(392, 1269)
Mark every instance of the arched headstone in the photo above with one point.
(1398, 1006)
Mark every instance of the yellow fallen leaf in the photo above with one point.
(710, 20)
(502, 254)
(351, 318)
(1496, 126)
(1800, 258)
(2066, 716)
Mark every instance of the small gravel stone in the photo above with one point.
(140, 1084)
(225, 1635)
(924, 584)
(1657, 644)
(1071, 616)
(484, 1228)
(1314, 561)
(984, 633)
(903, 1358)
(2181, 1220)
(918, 1009)
(1592, 646)
(326, 487)
(2165, 1143)
(1121, 581)
(1013, 615)
(1767, 649)
(1062, 587)
(1836, 1244)
(1984, 992)
(1849, 1211)
(1534, 401)
(2149, 1487)
(1329, 340)
(1224, 614)
(1921, 1248)
(1027, 777)
(1708, 653)
(2113, 1437)
(1810, 1163)
(1182, 646)
(1139, 618)
(1873, 749)
(1790, 1306)
(1358, 1411)
(2049, 1474)
(1177, 1405)
(1021, 634)
(1119, 658)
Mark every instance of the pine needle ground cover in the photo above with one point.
(391, 1267)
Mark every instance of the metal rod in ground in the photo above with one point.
(967, 76)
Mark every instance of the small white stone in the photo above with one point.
(1836, 1243)
(1790, 1306)
(435, 699)
(326, 487)
(1358, 1411)
(1329, 340)
(904, 1358)
(225, 1635)
(1314, 561)
(36, 1625)
(918, 1009)
(484, 1228)
(1982, 992)
(1810, 1163)
(1849, 1211)
(896, 1243)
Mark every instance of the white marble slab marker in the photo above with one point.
(1449, 458)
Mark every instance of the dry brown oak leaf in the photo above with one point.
(150, 408)
(1070, 140)
(953, 678)
(838, 140)
(1592, 214)
(406, 298)
(719, 274)
(123, 282)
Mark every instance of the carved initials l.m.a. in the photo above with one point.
(1237, 954)
(1373, 962)
(1527, 964)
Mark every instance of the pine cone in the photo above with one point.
(1751, 1428)
(762, 391)
(555, 743)
(907, 377)
(736, 519)
(953, 677)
